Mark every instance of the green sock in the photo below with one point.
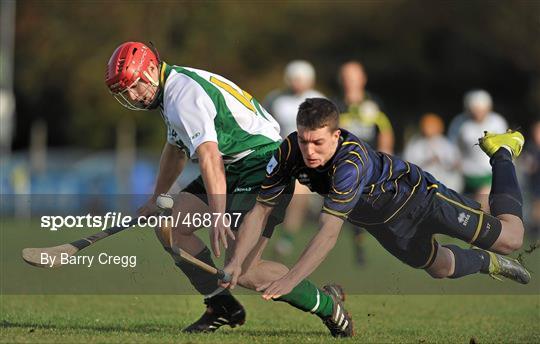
(308, 298)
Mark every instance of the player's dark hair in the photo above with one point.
(316, 113)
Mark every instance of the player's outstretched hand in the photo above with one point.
(235, 271)
(149, 208)
(277, 288)
(218, 236)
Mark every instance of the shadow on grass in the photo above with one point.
(246, 331)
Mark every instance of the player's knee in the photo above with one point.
(511, 239)
(442, 265)
(438, 273)
(247, 280)
(510, 244)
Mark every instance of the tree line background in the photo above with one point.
(420, 56)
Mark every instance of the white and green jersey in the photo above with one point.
(200, 106)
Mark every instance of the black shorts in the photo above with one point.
(410, 238)
(244, 180)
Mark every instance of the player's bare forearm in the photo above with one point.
(310, 259)
(213, 174)
(250, 232)
(171, 164)
(318, 247)
(248, 236)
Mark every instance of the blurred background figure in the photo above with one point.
(361, 114)
(434, 152)
(283, 104)
(464, 131)
(530, 167)
(299, 77)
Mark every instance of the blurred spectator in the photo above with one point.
(464, 131)
(530, 165)
(434, 153)
(361, 112)
(299, 78)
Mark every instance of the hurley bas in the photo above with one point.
(87, 261)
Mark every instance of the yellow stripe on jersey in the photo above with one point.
(398, 210)
(391, 167)
(359, 157)
(334, 212)
(346, 143)
(355, 183)
(345, 200)
(406, 201)
(244, 98)
(290, 148)
(270, 186)
(260, 199)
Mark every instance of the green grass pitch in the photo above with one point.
(389, 302)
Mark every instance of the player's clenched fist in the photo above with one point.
(149, 208)
(234, 271)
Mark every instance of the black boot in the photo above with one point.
(220, 310)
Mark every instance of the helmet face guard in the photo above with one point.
(128, 65)
(131, 101)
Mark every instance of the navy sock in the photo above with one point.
(505, 196)
(468, 261)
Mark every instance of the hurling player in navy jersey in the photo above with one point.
(401, 205)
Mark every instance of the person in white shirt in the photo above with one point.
(283, 104)
(434, 153)
(464, 132)
(299, 77)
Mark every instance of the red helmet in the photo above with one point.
(128, 64)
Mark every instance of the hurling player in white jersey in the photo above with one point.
(210, 120)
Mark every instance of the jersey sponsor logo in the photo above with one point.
(303, 178)
(245, 189)
(463, 218)
(271, 165)
(197, 134)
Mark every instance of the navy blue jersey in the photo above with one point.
(359, 184)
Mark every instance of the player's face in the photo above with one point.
(141, 94)
(480, 111)
(353, 77)
(317, 145)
